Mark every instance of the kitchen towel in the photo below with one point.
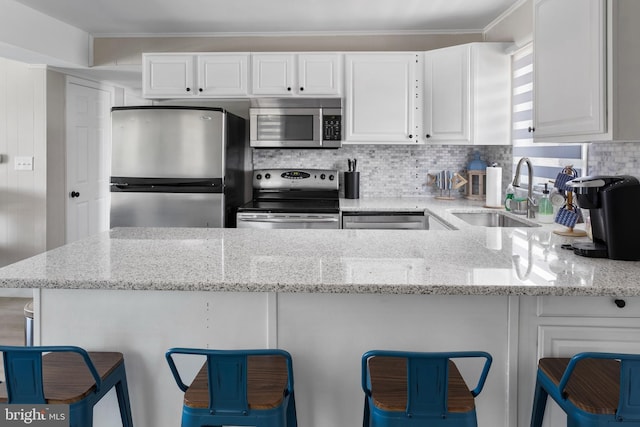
(494, 187)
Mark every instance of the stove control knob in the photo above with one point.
(322, 176)
(267, 176)
(331, 177)
(258, 176)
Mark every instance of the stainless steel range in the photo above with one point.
(292, 198)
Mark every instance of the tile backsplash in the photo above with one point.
(614, 158)
(388, 170)
(401, 170)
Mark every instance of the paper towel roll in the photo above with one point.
(494, 187)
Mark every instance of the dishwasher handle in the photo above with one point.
(383, 225)
(286, 220)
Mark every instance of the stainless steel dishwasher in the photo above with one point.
(383, 220)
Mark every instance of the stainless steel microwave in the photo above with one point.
(295, 123)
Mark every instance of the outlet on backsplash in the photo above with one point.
(387, 170)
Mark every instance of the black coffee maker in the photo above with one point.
(612, 202)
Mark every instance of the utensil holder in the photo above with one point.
(352, 185)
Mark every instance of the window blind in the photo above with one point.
(548, 159)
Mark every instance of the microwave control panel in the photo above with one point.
(332, 127)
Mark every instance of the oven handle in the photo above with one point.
(282, 220)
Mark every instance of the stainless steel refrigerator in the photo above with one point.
(177, 166)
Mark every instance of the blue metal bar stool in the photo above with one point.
(593, 389)
(404, 389)
(238, 387)
(64, 375)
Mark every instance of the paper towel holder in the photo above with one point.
(493, 187)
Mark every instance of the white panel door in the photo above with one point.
(569, 68)
(447, 91)
(167, 76)
(319, 74)
(381, 92)
(88, 160)
(272, 74)
(568, 340)
(223, 74)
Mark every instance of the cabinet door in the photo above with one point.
(569, 68)
(272, 74)
(380, 98)
(319, 74)
(566, 341)
(223, 75)
(167, 76)
(447, 96)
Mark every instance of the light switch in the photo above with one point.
(23, 163)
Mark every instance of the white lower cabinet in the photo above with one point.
(565, 326)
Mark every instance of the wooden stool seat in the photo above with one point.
(237, 388)
(66, 379)
(389, 385)
(266, 383)
(415, 389)
(594, 386)
(594, 389)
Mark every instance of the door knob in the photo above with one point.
(75, 194)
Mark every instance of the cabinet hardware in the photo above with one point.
(620, 303)
(289, 89)
(74, 194)
(200, 90)
(531, 129)
(428, 135)
(301, 88)
(188, 89)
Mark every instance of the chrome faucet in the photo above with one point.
(531, 213)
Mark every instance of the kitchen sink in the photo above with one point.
(493, 219)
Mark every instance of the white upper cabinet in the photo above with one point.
(167, 76)
(190, 75)
(309, 74)
(467, 93)
(320, 74)
(272, 74)
(586, 59)
(223, 74)
(381, 91)
(569, 68)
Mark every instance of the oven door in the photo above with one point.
(267, 220)
(285, 127)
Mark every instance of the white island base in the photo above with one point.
(325, 333)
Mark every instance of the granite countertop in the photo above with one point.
(470, 260)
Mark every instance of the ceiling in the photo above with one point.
(151, 17)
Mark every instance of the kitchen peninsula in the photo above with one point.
(327, 296)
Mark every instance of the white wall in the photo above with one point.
(22, 133)
(33, 37)
(31, 202)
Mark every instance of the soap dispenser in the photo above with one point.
(545, 208)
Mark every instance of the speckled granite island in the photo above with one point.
(327, 297)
